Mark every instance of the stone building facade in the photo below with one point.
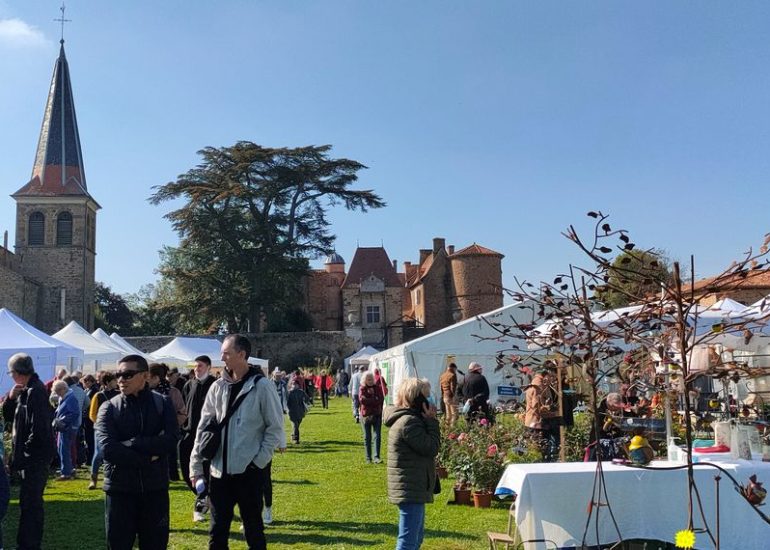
(378, 306)
(49, 280)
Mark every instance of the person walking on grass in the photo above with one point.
(247, 442)
(66, 422)
(297, 403)
(137, 431)
(413, 443)
(324, 385)
(355, 386)
(194, 395)
(371, 399)
(31, 446)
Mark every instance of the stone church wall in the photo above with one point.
(17, 293)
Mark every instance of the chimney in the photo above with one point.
(424, 253)
(395, 266)
(438, 244)
(5, 239)
(450, 249)
(407, 265)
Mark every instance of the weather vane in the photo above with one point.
(62, 20)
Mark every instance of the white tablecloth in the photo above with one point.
(552, 503)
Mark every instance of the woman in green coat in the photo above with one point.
(413, 443)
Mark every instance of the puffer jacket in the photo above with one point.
(131, 431)
(32, 433)
(413, 443)
(251, 435)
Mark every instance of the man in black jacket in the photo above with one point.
(194, 394)
(136, 431)
(27, 406)
(476, 389)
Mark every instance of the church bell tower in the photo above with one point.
(56, 216)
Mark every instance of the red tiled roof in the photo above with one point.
(759, 278)
(371, 261)
(476, 250)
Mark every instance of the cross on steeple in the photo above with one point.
(62, 20)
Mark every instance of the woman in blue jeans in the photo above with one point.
(413, 443)
(370, 400)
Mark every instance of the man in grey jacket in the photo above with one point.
(355, 385)
(248, 441)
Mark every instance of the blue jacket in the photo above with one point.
(68, 414)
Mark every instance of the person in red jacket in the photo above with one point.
(380, 381)
(324, 384)
(371, 398)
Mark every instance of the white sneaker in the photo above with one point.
(267, 515)
(198, 517)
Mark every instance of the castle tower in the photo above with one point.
(56, 216)
(478, 281)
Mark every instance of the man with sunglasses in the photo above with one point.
(137, 430)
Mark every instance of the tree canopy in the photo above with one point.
(112, 313)
(634, 273)
(252, 217)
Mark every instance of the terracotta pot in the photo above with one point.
(482, 500)
(442, 472)
(462, 496)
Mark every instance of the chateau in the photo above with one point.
(377, 305)
(49, 279)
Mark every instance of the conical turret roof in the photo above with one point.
(58, 168)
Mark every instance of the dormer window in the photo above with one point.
(64, 229)
(36, 229)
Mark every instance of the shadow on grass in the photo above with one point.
(325, 443)
(294, 482)
(389, 529)
(274, 537)
(69, 524)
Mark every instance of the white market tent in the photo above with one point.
(428, 357)
(182, 351)
(16, 335)
(105, 339)
(118, 340)
(361, 357)
(96, 355)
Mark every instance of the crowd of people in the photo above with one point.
(144, 423)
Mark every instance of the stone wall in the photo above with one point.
(17, 293)
(285, 349)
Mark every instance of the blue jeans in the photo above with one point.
(97, 461)
(65, 451)
(372, 424)
(411, 526)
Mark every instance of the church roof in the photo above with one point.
(476, 250)
(58, 168)
(371, 261)
(333, 259)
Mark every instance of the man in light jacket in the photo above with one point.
(355, 386)
(248, 441)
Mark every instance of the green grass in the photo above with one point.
(324, 496)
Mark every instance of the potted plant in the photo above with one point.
(461, 462)
(485, 471)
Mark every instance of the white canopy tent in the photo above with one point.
(105, 339)
(118, 340)
(361, 357)
(182, 351)
(461, 343)
(16, 335)
(96, 355)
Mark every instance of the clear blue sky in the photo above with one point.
(498, 122)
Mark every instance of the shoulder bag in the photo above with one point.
(211, 434)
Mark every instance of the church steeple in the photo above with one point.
(58, 168)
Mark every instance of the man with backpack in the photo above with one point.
(240, 428)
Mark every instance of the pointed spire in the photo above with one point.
(58, 168)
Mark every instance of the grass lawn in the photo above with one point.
(324, 496)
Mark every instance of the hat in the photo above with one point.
(474, 367)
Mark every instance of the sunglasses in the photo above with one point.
(127, 374)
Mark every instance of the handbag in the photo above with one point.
(211, 434)
(437, 486)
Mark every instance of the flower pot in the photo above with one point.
(482, 500)
(462, 496)
(442, 472)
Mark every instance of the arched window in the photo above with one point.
(64, 229)
(36, 229)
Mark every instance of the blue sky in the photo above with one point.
(497, 122)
